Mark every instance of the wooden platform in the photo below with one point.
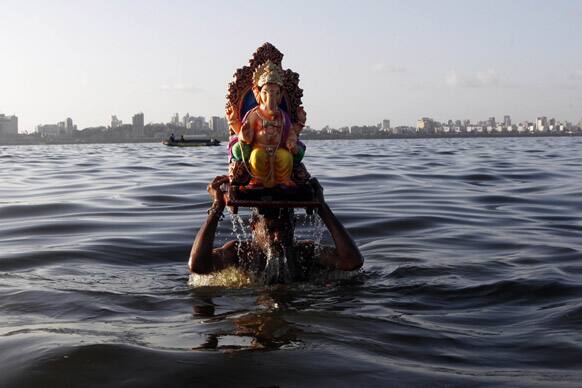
(302, 196)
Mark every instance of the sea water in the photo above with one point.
(472, 274)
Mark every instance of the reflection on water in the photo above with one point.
(263, 330)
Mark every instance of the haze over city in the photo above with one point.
(359, 62)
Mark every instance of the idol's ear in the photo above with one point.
(280, 95)
(257, 93)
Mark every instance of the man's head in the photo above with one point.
(273, 226)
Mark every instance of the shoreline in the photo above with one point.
(17, 142)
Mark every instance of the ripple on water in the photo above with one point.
(472, 274)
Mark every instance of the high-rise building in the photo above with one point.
(8, 125)
(507, 121)
(552, 121)
(541, 123)
(425, 125)
(49, 130)
(197, 123)
(175, 120)
(218, 124)
(115, 122)
(138, 124)
(491, 121)
(385, 125)
(186, 120)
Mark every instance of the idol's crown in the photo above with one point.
(268, 73)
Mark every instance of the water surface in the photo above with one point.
(473, 272)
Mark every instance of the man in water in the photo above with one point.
(272, 235)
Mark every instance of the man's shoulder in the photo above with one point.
(234, 247)
(309, 248)
(228, 252)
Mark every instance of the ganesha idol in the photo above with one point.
(265, 119)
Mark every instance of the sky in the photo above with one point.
(359, 61)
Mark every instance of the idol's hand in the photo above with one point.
(231, 116)
(291, 142)
(292, 147)
(215, 193)
(301, 116)
(229, 113)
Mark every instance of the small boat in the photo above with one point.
(191, 142)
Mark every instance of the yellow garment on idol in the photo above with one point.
(271, 170)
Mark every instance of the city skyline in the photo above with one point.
(358, 63)
(194, 121)
(192, 124)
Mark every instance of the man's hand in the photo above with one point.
(203, 258)
(215, 193)
(318, 190)
(346, 256)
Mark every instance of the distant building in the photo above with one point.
(186, 120)
(364, 130)
(115, 122)
(49, 130)
(138, 124)
(491, 122)
(552, 121)
(198, 123)
(425, 125)
(541, 123)
(8, 125)
(218, 124)
(385, 125)
(175, 120)
(403, 130)
(475, 129)
(69, 126)
(62, 128)
(507, 121)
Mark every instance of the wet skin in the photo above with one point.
(269, 233)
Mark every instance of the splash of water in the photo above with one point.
(239, 229)
(232, 277)
(277, 267)
(315, 222)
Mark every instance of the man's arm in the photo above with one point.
(346, 256)
(203, 258)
